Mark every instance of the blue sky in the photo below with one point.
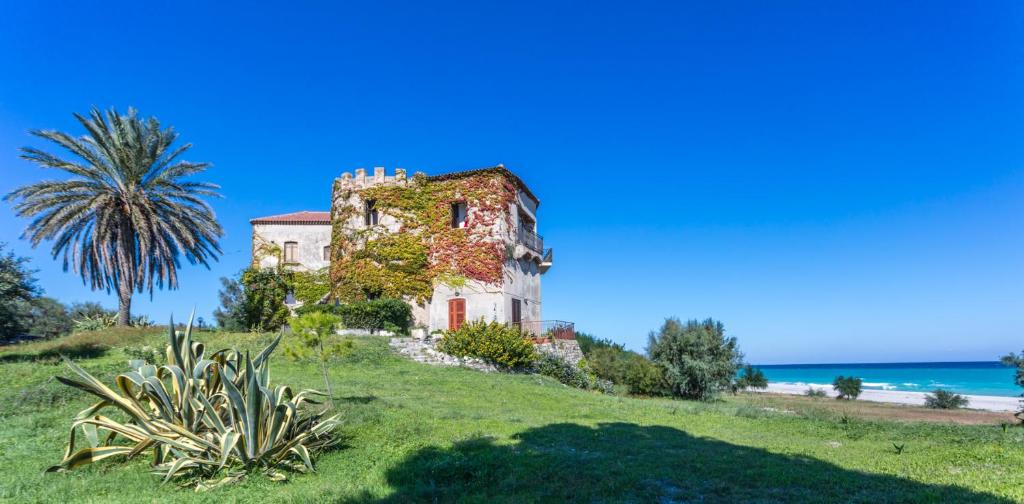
(835, 181)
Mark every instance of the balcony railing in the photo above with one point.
(541, 329)
(533, 241)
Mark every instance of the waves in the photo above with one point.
(982, 378)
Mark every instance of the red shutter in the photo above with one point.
(456, 313)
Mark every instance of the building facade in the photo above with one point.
(457, 247)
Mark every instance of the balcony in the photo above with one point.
(531, 240)
(546, 329)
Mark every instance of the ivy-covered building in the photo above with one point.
(459, 246)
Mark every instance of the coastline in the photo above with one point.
(979, 402)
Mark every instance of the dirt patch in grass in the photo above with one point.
(876, 411)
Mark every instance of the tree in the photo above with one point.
(128, 213)
(1014, 360)
(312, 329)
(699, 360)
(230, 315)
(751, 378)
(944, 399)
(17, 290)
(848, 387)
(48, 318)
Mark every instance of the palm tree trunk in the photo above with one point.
(124, 303)
(126, 277)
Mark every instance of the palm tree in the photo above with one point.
(126, 215)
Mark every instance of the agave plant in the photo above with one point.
(200, 414)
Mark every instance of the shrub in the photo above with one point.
(142, 321)
(392, 315)
(145, 354)
(699, 360)
(751, 378)
(90, 309)
(611, 361)
(847, 387)
(494, 342)
(224, 415)
(589, 343)
(944, 399)
(568, 374)
(815, 392)
(95, 322)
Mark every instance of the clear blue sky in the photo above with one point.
(835, 181)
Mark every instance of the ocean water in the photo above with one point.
(981, 378)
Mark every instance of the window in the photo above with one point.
(371, 216)
(291, 252)
(517, 311)
(327, 253)
(458, 215)
(456, 313)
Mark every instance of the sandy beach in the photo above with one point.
(988, 403)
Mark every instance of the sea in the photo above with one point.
(979, 378)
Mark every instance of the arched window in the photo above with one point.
(327, 253)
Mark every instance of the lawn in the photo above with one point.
(415, 433)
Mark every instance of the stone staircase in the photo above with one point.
(423, 350)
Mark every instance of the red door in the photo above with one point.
(456, 313)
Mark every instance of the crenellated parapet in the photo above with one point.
(362, 179)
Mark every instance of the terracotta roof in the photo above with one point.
(494, 169)
(303, 217)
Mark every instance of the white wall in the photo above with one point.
(311, 240)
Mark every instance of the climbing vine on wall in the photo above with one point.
(426, 249)
(306, 286)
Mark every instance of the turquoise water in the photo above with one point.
(981, 378)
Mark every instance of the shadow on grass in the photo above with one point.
(619, 462)
(74, 351)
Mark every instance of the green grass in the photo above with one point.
(416, 433)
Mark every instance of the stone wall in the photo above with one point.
(567, 349)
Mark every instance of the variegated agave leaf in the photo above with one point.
(200, 415)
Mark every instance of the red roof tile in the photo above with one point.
(303, 217)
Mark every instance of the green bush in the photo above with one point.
(494, 342)
(699, 360)
(611, 361)
(944, 399)
(847, 387)
(815, 392)
(143, 353)
(95, 322)
(589, 342)
(392, 315)
(568, 374)
(645, 378)
(751, 378)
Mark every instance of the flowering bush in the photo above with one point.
(494, 342)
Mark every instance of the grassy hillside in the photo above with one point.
(420, 433)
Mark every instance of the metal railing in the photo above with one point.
(554, 329)
(532, 240)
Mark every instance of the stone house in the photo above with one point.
(458, 246)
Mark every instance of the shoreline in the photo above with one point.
(978, 402)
